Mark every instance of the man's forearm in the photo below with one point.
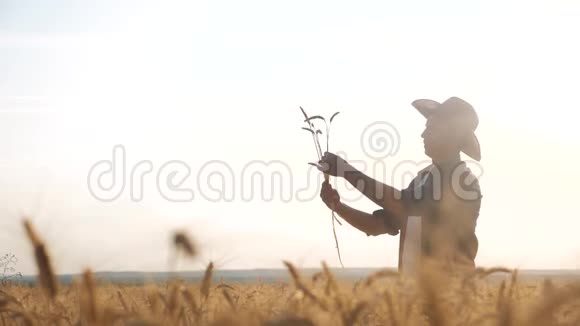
(380, 193)
(365, 222)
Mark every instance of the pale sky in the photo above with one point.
(198, 81)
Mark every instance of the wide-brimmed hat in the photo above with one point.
(460, 114)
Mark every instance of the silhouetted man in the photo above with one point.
(440, 206)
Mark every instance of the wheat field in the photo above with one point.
(382, 298)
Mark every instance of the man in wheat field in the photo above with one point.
(436, 213)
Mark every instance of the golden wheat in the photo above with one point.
(382, 298)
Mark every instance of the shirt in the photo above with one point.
(447, 198)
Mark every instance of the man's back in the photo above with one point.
(447, 199)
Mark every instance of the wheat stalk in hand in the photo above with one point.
(315, 132)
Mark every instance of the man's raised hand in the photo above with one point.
(329, 196)
(333, 165)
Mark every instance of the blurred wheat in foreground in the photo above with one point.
(383, 298)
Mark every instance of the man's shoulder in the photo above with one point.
(465, 184)
(419, 178)
(468, 178)
(425, 170)
(461, 176)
